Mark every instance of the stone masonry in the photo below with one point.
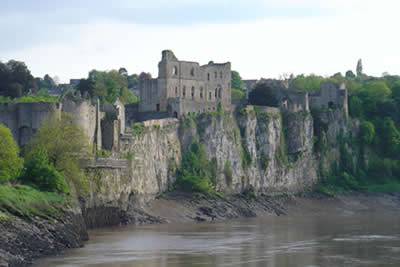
(184, 87)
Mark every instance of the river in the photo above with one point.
(345, 239)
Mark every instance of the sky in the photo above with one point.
(270, 38)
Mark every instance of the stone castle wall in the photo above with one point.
(24, 119)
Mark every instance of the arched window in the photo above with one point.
(192, 92)
(192, 72)
(220, 92)
(175, 70)
(201, 92)
(209, 96)
(183, 91)
(208, 76)
(176, 91)
(216, 92)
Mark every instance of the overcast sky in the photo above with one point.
(260, 38)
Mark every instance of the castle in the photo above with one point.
(185, 87)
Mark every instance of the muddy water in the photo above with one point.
(362, 239)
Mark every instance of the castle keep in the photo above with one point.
(185, 87)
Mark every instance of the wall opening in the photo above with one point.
(209, 96)
(175, 70)
(184, 92)
(331, 104)
(192, 92)
(176, 91)
(192, 72)
(158, 107)
(220, 92)
(175, 114)
(208, 76)
(216, 92)
(201, 92)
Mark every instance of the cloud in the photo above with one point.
(263, 46)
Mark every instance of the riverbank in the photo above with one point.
(25, 239)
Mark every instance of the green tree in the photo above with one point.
(10, 162)
(237, 82)
(307, 83)
(355, 106)
(378, 90)
(63, 141)
(238, 94)
(15, 79)
(40, 173)
(390, 137)
(350, 74)
(263, 95)
(367, 132)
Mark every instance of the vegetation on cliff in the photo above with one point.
(39, 184)
(371, 161)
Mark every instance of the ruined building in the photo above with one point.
(330, 95)
(102, 125)
(185, 87)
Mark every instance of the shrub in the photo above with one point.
(367, 132)
(197, 173)
(10, 162)
(40, 173)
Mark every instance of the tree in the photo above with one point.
(390, 137)
(378, 90)
(307, 83)
(40, 173)
(63, 141)
(237, 82)
(359, 68)
(10, 162)
(123, 71)
(238, 94)
(367, 132)
(263, 95)
(350, 74)
(15, 79)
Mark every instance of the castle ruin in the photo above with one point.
(185, 87)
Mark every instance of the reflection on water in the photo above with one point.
(356, 240)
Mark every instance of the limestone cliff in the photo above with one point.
(257, 148)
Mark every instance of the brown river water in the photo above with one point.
(345, 239)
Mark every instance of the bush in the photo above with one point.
(63, 140)
(263, 95)
(367, 132)
(238, 94)
(197, 172)
(40, 173)
(10, 162)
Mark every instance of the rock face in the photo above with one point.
(22, 241)
(263, 153)
(256, 148)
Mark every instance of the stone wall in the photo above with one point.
(24, 119)
(331, 94)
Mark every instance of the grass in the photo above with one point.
(25, 201)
